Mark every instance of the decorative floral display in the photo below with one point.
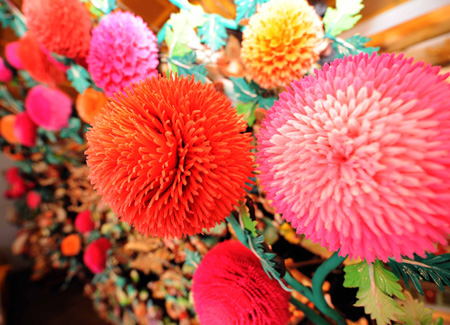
(12, 55)
(6, 74)
(231, 287)
(25, 130)
(71, 245)
(89, 104)
(96, 254)
(33, 199)
(17, 186)
(123, 50)
(37, 62)
(282, 42)
(61, 26)
(169, 157)
(49, 108)
(357, 164)
(84, 222)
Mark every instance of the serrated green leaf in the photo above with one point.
(344, 17)
(266, 102)
(186, 65)
(245, 92)
(213, 33)
(376, 286)
(250, 225)
(414, 312)
(352, 46)
(434, 268)
(247, 8)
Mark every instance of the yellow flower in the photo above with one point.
(282, 42)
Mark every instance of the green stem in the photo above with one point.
(298, 286)
(309, 313)
(238, 230)
(317, 283)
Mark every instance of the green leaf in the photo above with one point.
(248, 110)
(72, 130)
(250, 225)
(187, 65)
(376, 288)
(213, 33)
(246, 8)
(344, 17)
(352, 46)
(80, 78)
(192, 258)
(433, 268)
(246, 92)
(267, 102)
(414, 312)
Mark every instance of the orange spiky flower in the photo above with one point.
(169, 156)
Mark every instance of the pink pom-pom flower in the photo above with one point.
(17, 185)
(84, 222)
(12, 55)
(230, 286)
(6, 75)
(25, 130)
(96, 254)
(33, 199)
(123, 50)
(357, 156)
(49, 108)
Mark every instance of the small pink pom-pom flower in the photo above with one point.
(49, 108)
(33, 199)
(123, 51)
(84, 222)
(96, 254)
(357, 156)
(12, 55)
(25, 130)
(6, 74)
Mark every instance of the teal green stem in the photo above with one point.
(298, 286)
(317, 283)
(238, 230)
(309, 313)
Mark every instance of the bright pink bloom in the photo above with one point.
(12, 55)
(231, 287)
(123, 50)
(6, 74)
(17, 185)
(49, 108)
(25, 130)
(34, 199)
(357, 156)
(84, 222)
(96, 254)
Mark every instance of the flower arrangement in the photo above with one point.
(149, 189)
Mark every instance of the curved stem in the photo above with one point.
(309, 313)
(298, 286)
(317, 283)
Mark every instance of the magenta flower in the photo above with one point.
(84, 222)
(6, 74)
(356, 157)
(49, 108)
(123, 50)
(96, 254)
(25, 130)
(12, 55)
(33, 199)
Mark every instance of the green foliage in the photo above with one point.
(179, 31)
(104, 6)
(10, 18)
(344, 17)
(80, 78)
(415, 312)
(246, 92)
(213, 33)
(192, 258)
(250, 225)
(376, 290)
(248, 111)
(434, 268)
(27, 79)
(187, 65)
(352, 46)
(246, 8)
(72, 130)
(266, 257)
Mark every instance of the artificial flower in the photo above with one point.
(230, 286)
(33, 199)
(356, 156)
(17, 185)
(49, 108)
(96, 254)
(169, 156)
(61, 26)
(25, 130)
(281, 42)
(71, 245)
(12, 55)
(89, 104)
(123, 50)
(7, 123)
(84, 222)
(6, 75)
